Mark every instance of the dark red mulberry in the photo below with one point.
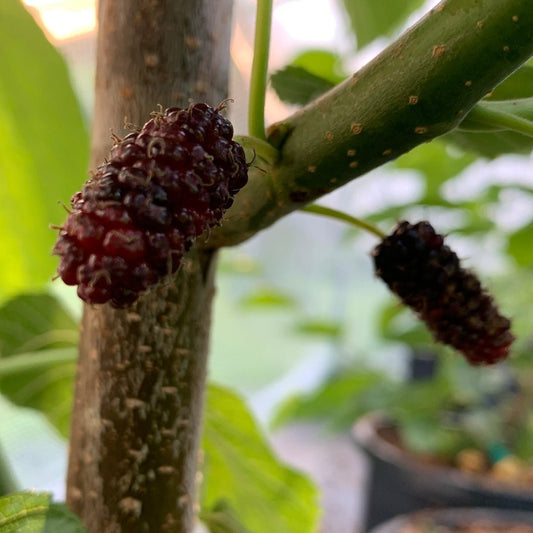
(161, 188)
(425, 273)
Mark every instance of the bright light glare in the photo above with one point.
(313, 22)
(64, 19)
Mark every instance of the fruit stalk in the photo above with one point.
(141, 371)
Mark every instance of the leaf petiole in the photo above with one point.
(344, 217)
(258, 81)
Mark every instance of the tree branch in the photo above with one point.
(422, 86)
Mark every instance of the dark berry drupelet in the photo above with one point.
(161, 188)
(425, 273)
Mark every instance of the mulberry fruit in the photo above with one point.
(425, 273)
(140, 212)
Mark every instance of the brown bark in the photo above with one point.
(141, 372)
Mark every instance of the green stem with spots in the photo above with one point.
(258, 82)
(420, 87)
(344, 217)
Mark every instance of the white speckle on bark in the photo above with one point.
(130, 506)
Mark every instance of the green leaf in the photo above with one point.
(268, 297)
(32, 322)
(29, 512)
(496, 128)
(320, 328)
(520, 246)
(398, 323)
(38, 346)
(296, 85)
(371, 19)
(43, 149)
(429, 437)
(341, 400)
(491, 145)
(240, 469)
(517, 85)
(222, 519)
(322, 63)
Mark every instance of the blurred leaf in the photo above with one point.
(514, 294)
(321, 328)
(428, 437)
(296, 85)
(523, 443)
(38, 324)
(341, 400)
(222, 519)
(517, 85)
(43, 149)
(32, 322)
(322, 63)
(438, 164)
(240, 469)
(308, 76)
(371, 19)
(398, 323)
(491, 144)
(520, 246)
(238, 263)
(267, 297)
(30, 512)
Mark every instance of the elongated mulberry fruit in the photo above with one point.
(425, 273)
(161, 188)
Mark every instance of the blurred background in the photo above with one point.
(298, 306)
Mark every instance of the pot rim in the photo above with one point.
(456, 515)
(365, 434)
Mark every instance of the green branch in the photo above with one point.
(258, 81)
(420, 87)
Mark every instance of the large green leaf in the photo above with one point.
(43, 148)
(29, 512)
(240, 469)
(37, 354)
(371, 19)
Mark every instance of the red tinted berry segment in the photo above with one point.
(425, 273)
(161, 188)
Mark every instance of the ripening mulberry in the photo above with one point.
(425, 273)
(161, 188)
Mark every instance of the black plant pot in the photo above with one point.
(450, 518)
(398, 483)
